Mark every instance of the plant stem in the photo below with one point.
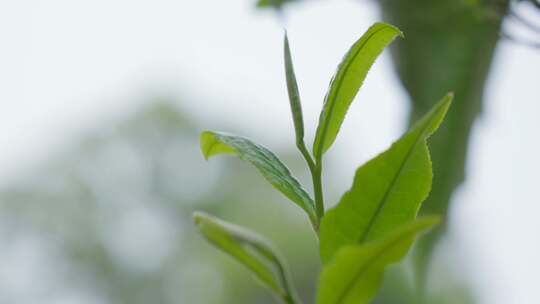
(316, 175)
(317, 188)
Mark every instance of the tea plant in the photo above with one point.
(373, 225)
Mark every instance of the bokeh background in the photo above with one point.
(102, 103)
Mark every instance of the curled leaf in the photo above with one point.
(271, 168)
(249, 249)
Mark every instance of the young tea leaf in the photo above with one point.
(294, 95)
(250, 250)
(387, 191)
(354, 275)
(272, 169)
(347, 81)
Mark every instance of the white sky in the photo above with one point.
(69, 65)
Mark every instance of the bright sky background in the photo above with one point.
(67, 65)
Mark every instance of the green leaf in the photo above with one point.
(294, 95)
(387, 191)
(347, 81)
(272, 169)
(355, 274)
(249, 249)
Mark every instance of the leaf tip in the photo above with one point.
(396, 30)
(286, 46)
(438, 113)
(446, 102)
(450, 95)
(198, 217)
(207, 141)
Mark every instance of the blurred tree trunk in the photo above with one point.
(448, 46)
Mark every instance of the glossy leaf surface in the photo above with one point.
(273, 170)
(387, 191)
(347, 81)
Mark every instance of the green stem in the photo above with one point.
(316, 175)
(317, 188)
(302, 147)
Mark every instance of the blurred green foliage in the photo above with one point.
(278, 4)
(112, 218)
